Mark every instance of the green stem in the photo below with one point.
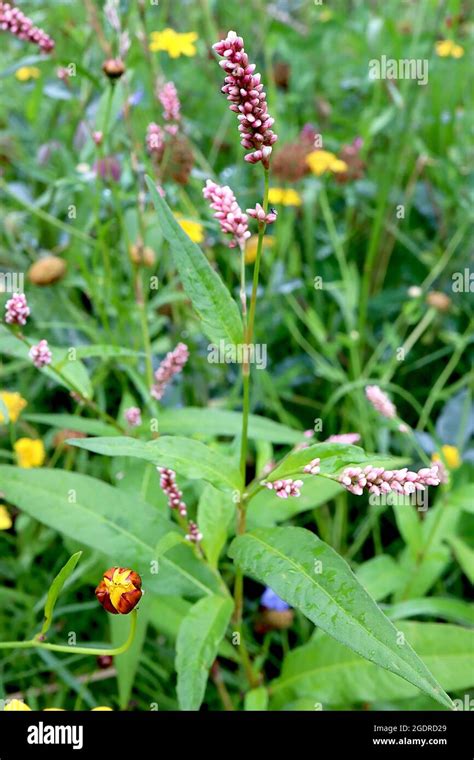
(96, 651)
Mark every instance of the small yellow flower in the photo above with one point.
(320, 161)
(284, 197)
(17, 705)
(25, 73)
(95, 709)
(5, 519)
(174, 43)
(449, 48)
(251, 247)
(193, 230)
(14, 404)
(30, 452)
(451, 456)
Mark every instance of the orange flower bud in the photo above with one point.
(113, 68)
(119, 591)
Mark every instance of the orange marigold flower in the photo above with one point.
(119, 591)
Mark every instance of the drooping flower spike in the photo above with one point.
(171, 365)
(14, 21)
(119, 591)
(231, 217)
(17, 310)
(247, 98)
(377, 480)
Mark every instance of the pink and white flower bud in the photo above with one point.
(259, 213)
(40, 354)
(133, 416)
(17, 310)
(380, 401)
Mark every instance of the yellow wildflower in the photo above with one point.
(449, 49)
(5, 519)
(25, 73)
(30, 452)
(95, 709)
(193, 230)
(251, 247)
(14, 404)
(174, 43)
(16, 705)
(320, 161)
(284, 197)
(451, 456)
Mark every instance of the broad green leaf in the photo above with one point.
(215, 422)
(199, 637)
(55, 590)
(266, 510)
(215, 512)
(127, 663)
(464, 555)
(311, 576)
(380, 576)
(453, 610)
(72, 422)
(188, 457)
(256, 700)
(210, 298)
(102, 517)
(463, 498)
(330, 673)
(73, 375)
(333, 456)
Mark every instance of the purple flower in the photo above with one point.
(40, 354)
(231, 217)
(133, 416)
(171, 365)
(272, 601)
(14, 21)
(247, 98)
(108, 168)
(17, 310)
(169, 487)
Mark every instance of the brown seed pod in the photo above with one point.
(143, 255)
(119, 591)
(113, 68)
(47, 270)
(274, 620)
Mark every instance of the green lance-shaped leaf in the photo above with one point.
(311, 576)
(200, 634)
(188, 457)
(55, 590)
(211, 300)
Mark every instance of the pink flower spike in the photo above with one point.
(169, 99)
(17, 310)
(377, 480)
(284, 488)
(171, 365)
(40, 354)
(247, 99)
(228, 212)
(169, 487)
(259, 214)
(14, 21)
(133, 416)
(155, 140)
(348, 438)
(380, 401)
(194, 535)
(313, 467)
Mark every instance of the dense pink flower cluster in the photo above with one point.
(231, 218)
(380, 401)
(17, 310)
(169, 99)
(14, 21)
(284, 488)
(171, 365)
(169, 487)
(133, 416)
(312, 468)
(40, 354)
(344, 438)
(194, 534)
(155, 139)
(248, 99)
(377, 480)
(259, 213)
